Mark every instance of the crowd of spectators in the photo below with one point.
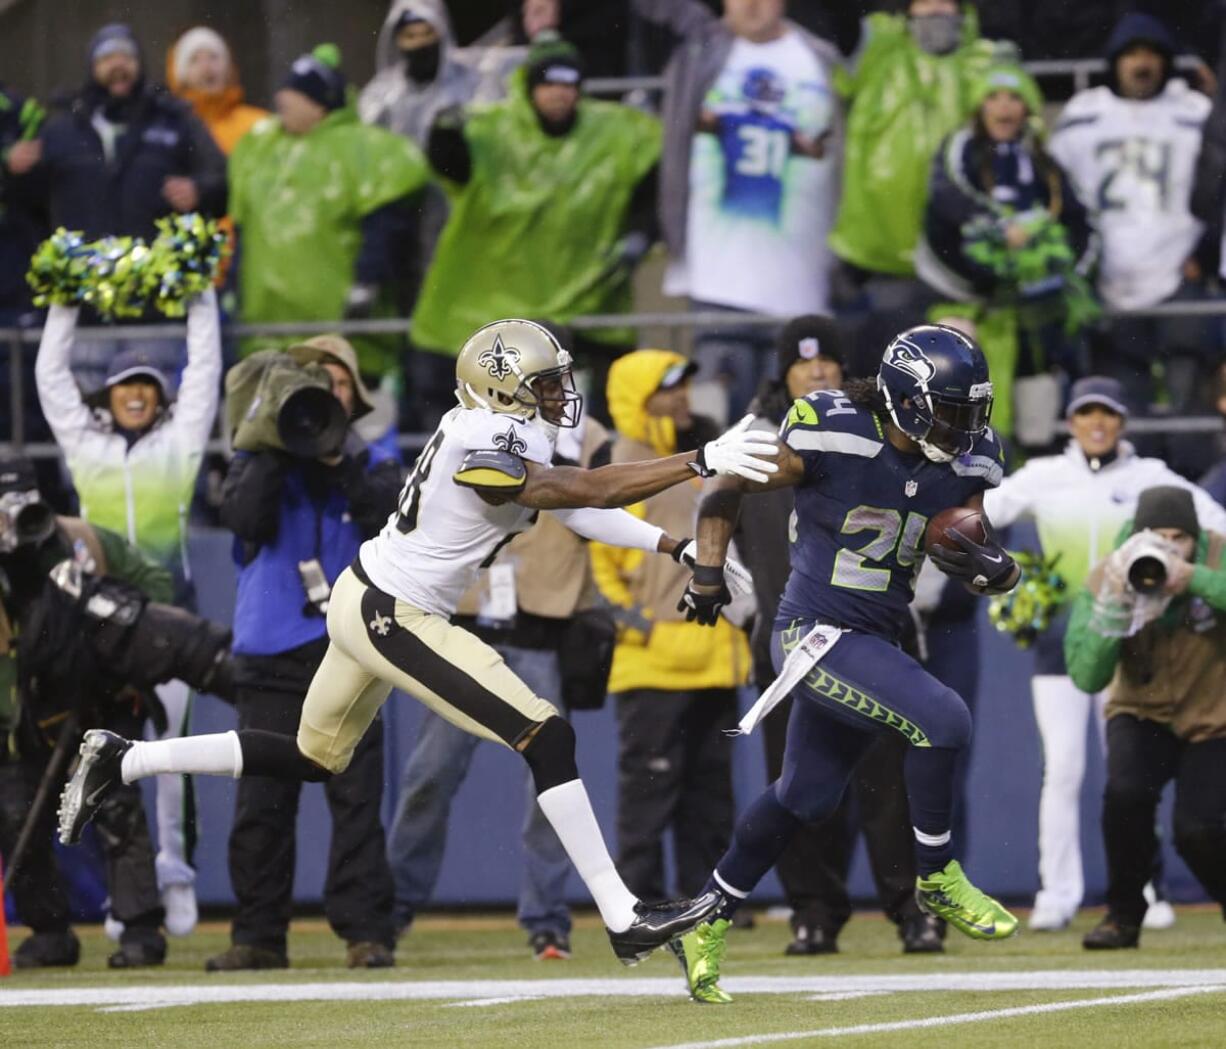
(861, 175)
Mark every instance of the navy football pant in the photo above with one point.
(864, 686)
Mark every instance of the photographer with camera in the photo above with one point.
(42, 561)
(1078, 501)
(133, 450)
(1150, 626)
(298, 522)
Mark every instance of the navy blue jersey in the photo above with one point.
(857, 534)
(756, 149)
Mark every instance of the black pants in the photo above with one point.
(358, 888)
(816, 863)
(1142, 757)
(123, 830)
(674, 771)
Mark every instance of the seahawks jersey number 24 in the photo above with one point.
(857, 531)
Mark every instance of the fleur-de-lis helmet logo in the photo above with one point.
(499, 360)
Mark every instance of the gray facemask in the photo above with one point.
(936, 34)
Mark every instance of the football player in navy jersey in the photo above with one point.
(871, 465)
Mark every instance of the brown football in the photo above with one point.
(961, 519)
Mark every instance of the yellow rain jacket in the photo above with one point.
(656, 647)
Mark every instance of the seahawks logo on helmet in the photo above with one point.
(499, 360)
(909, 358)
(510, 442)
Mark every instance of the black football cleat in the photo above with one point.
(656, 924)
(96, 776)
(1112, 934)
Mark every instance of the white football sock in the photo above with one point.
(218, 754)
(569, 812)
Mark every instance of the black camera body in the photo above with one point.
(24, 519)
(85, 638)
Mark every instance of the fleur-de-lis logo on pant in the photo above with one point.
(381, 624)
(499, 360)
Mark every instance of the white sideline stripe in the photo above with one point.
(845, 996)
(481, 1003)
(622, 987)
(947, 1021)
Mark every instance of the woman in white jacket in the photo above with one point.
(134, 459)
(1078, 500)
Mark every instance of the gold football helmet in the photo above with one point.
(516, 367)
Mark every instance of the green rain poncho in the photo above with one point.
(532, 231)
(298, 201)
(903, 103)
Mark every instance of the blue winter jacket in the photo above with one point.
(163, 138)
(284, 511)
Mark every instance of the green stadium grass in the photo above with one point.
(468, 948)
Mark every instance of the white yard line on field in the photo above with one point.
(947, 1021)
(481, 1003)
(13, 995)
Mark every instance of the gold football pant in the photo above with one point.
(378, 643)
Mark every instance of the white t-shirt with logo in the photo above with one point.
(759, 211)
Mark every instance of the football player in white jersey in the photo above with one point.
(483, 477)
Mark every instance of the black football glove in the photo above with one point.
(705, 607)
(985, 567)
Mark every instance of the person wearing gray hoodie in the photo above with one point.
(418, 75)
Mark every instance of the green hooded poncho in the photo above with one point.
(903, 103)
(532, 231)
(299, 201)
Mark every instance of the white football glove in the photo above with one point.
(741, 452)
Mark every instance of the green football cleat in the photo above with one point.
(949, 894)
(701, 953)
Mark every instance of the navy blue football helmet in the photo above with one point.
(763, 88)
(935, 383)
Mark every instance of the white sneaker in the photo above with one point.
(1160, 914)
(1046, 918)
(179, 900)
(112, 926)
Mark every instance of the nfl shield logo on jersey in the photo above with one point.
(910, 488)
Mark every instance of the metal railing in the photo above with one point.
(1080, 70)
(21, 341)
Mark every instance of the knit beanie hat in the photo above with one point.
(1166, 506)
(554, 62)
(1009, 76)
(201, 38)
(115, 38)
(318, 76)
(808, 336)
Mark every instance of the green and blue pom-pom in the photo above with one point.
(120, 277)
(59, 270)
(185, 258)
(1028, 609)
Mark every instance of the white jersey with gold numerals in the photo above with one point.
(441, 533)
